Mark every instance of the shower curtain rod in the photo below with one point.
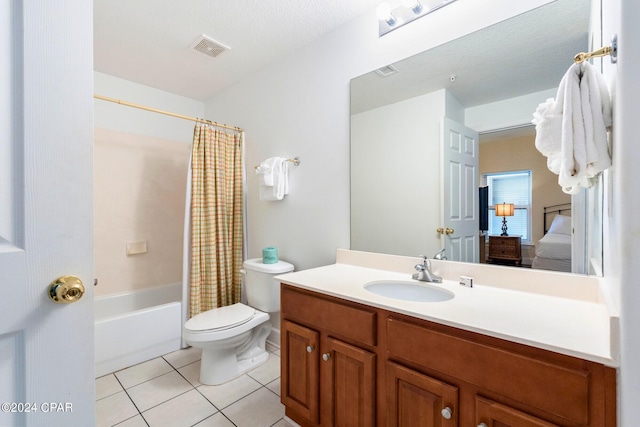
(168, 113)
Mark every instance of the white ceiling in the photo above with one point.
(525, 54)
(147, 41)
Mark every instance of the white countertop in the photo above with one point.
(575, 327)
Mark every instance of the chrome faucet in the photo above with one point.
(424, 273)
(440, 254)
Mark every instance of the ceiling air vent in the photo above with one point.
(208, 46)
(386, 71)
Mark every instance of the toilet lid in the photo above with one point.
(221, 318)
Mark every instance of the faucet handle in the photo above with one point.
(425, 263)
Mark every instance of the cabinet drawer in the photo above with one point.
(552, 388)
(343, 319)
(504, 250)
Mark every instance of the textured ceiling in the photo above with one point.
(525, 54)
(147, 41)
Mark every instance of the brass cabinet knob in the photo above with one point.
(66, 289)
(446, 413)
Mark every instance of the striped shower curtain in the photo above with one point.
(216, 219)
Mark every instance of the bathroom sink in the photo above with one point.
(408, 291)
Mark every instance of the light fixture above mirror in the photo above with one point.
(392, 17)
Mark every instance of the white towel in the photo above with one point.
(265, 170)
(571, 130)
(596, 104)
(274, 181)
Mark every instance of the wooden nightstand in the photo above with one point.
(505, 248)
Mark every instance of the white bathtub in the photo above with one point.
(136, 326)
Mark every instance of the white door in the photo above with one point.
(46, 197)
(460, 191)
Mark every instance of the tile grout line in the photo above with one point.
(131, 400)
(151, 379)
(193, 387)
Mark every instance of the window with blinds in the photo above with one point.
(510, 187)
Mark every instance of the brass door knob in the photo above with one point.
(440, 230)
(66, 289)
(449, 231)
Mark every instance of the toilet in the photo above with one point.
(232, 338)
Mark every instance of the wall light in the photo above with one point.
(385, 14)
(391, 18)
(414, 5)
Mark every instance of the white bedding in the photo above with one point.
(554, 246)
(551, 264)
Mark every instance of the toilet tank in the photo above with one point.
(262, 291)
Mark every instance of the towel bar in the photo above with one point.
(295, 161)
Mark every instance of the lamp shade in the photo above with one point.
(504, 209)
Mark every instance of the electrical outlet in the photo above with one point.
(466, 281)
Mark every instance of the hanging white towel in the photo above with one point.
(571, 130)
(265, 170)
(596, 105)
(274, 182)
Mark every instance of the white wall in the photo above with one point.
(299, 106)
(395, 169)
(109, 115)
(622, 202)
(506, 113)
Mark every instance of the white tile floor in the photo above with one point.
(166, 392)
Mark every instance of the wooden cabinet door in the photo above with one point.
(299, 366)
(493, 414)
(350, 385)
(417, 400)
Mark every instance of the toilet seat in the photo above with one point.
(221, 318)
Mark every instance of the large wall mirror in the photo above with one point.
(477, 94)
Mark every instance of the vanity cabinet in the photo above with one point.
(489, 413)
(415, 399)
(349, 364)
(300, 373)
(328, 361)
